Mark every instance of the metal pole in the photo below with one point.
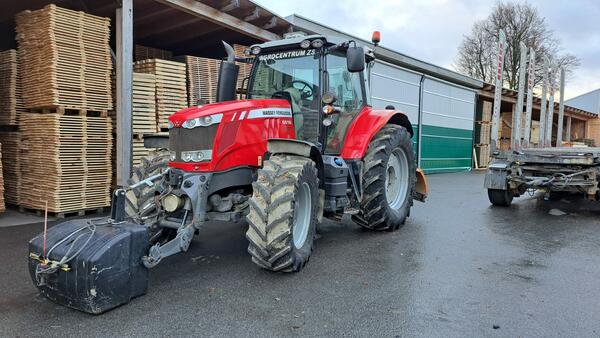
(518, 110)
(561, 109)
(542, 136)
(124, 18)
(529, 108)
(498, 92)
(568, 139)
(550, 113)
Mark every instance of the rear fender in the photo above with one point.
(422, 187)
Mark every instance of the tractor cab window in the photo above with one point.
(348, 90)
(292, 75)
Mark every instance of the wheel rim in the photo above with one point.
(302, 213)
(396, 179)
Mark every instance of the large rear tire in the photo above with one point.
(140, 204)
(283, 213)
(389, 177)
(501, 198)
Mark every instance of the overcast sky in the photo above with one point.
(431, 30)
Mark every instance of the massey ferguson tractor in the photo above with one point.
(305, 144)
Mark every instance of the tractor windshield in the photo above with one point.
(293, 75)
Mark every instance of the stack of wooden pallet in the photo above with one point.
(65, 59)
(11, 165)
(11, 103)
(66, 160)
(171, 92)
(203, 76)
(144, 53)
(2, 204)
(202, 80)
(144, 103)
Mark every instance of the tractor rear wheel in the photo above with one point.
(283, 213)
(389, 176)
(140, 204)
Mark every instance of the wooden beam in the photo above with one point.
(214, 15)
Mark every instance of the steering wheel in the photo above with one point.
(306, 89)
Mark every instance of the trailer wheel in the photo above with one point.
(139, 202)
(389, 176)
(283, 213)
(501, 198)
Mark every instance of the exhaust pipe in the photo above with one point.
(228, 75)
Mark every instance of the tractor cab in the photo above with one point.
(325, 81)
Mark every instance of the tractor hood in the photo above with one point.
(226, 108)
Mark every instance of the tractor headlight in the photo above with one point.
(203, 121)
(305, 44)
(317, 43)
(255, 50)
(196, 156)
(172, 155)
(170, 125)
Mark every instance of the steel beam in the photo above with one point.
(543, 103)
(124, 18)
(515, 135)
(561, 109)
(498, 92)
(529, 105)
(550, 112)
(214, 15)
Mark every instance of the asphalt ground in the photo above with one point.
(459, 268)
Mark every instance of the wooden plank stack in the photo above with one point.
(65, 58)
(67, 162)
(202, 79)
(143, 53)
(144, 103)
(171, 87)
(11, 102)
(11, 165)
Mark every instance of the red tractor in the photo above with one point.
(304, 144)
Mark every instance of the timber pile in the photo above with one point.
(11, 103)
(202, 74)
(143, 53)
(2, 204)
(66, 160)
(11, 168)
(171, 88)
(65, 57)
(144, 103)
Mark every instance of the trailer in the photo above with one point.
(523, 168)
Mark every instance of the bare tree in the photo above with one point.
(521, 22)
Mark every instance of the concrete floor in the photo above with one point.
(458, 268)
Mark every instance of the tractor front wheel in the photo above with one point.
(283, 213)
(389, 176)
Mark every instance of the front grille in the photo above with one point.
(199, 138)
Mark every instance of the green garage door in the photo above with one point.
(447, 127)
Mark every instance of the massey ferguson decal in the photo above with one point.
(287, 54)
(270, 113)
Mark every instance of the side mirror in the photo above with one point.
(355, 59)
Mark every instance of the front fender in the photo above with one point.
(365, 126)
